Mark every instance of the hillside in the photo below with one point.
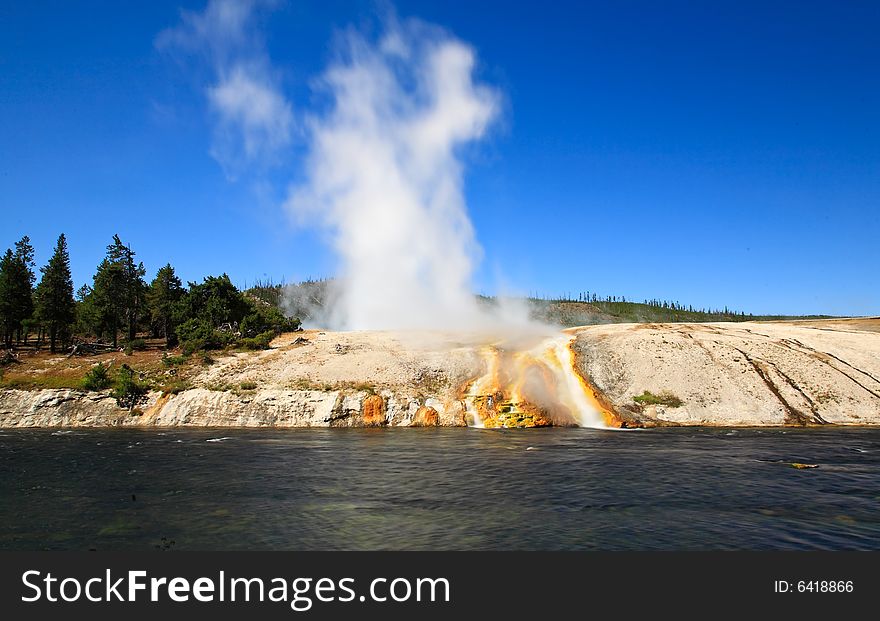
(570, 313)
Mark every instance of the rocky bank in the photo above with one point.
(723, 374)
(738, 374)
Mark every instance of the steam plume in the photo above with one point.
(384, 175)
(253, 120)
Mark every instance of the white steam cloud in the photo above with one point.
(384, 175)
(253, 121)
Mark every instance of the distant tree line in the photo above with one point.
(593, 298)
(206, 315)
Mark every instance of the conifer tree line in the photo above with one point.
(594, 298)
(120, 304)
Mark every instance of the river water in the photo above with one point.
(460, 489)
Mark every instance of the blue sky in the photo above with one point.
(722, 153)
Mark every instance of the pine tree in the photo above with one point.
(106, 298)
(54, 296)
(6, 312)
(87, 315)
(24, 253)
(133, 287)
(16, 289)
(119, 290)
(165, 290)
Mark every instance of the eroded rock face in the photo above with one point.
(426, 416)
(374, 411)
(263, 408)
(199, 407)
(451, 414)
(66, 408)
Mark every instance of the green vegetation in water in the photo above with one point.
(664, 398)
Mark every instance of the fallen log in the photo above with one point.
(90, 349)
(8, 357)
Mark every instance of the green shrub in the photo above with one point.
(128, 391)
(172, 361)
(197, 334)
(191, 347)
(264, 318)
(136, 344)
(248, 385)
(213, 302)
(216, 302)
(261, 341)
(664, 398)
(175, 387)
(195, 330)
(220, 339)
(96, 378)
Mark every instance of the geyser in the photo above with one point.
(383, 176)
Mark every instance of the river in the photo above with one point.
(438, 489)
